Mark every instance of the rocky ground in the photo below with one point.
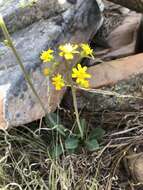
(114, 102)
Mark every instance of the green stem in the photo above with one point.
(10, 43)
(73, 89)
(76, 110)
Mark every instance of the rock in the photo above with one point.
(116, 87)
(136, 5)
(123, 39)
(134, 165)
(74, 21)
(113, 18)
(122, 77)
(119, 32)
(19, 15)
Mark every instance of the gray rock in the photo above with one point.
(72, 21)
(18, 15)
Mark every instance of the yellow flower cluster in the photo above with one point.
(81, 75)
(68, 51)
(86, 51)
(58, 82)
(47, 56)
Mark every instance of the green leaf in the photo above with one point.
(83, 125)
(71, 151)
(54, 117)
(71, 143)
(56, 151)
(92, 144)
(61, 129)
(97, 134)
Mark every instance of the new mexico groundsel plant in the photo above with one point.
(75, 74)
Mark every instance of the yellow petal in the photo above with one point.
(87, 75)
(68, 56)
(79, 66)
(74, 76)
(84, 68)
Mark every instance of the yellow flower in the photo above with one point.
(86, 50)
(46, 71)
(84, 83)
(47, 56)
(81, 75)
(58, 82)
(68, 51)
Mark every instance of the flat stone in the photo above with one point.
(76, 24)
(114, 86)
(135, 166)
(18, 15)
(119, 34)
(123, 39)
(111, 72)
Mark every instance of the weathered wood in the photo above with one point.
(136, 5)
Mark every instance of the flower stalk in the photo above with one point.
(73, 89)
(74, 71)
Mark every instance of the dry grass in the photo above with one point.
(25, 162)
